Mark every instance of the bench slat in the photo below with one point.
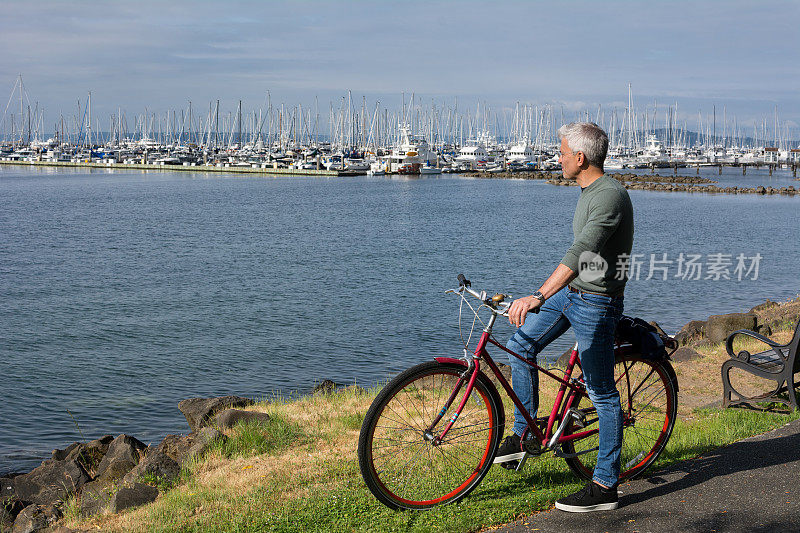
(767, 360)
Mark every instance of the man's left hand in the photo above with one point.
(520, 308)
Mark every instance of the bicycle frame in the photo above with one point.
(547, 439)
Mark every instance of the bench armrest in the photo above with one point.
(774, 345)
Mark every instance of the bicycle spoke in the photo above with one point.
(413, 472)
(465, 434)
(648, 404)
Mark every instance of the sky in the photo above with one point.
(740, 56)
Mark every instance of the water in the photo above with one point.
(124, 293)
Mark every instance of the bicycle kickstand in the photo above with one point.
(521, 462)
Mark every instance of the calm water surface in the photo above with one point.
(123, 293)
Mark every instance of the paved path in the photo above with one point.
(752, 485)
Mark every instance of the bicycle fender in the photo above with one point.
(451, 360)
(482, 376)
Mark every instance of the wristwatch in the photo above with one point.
(539, 296)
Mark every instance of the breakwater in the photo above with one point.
(648, 183)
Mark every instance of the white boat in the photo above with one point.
(520, 153)
(356, 165)
(653, 153)
(470, 155)
(409, 156)
(377, 168)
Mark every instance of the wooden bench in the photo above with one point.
(779, 363)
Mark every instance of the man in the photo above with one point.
(584, 292)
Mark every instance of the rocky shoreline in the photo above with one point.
(647, 183)
(110, 474)
(765, 319)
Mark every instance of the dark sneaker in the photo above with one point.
(510, 450)
(592, 497)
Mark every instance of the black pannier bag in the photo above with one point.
(644, 338)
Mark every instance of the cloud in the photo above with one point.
(159, 55)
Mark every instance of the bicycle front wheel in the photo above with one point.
(649, 400)
(401, 465)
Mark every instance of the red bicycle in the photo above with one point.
(413, 455)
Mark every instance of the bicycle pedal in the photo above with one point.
(580, 423)
(579, 418)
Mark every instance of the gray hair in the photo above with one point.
(588, 138)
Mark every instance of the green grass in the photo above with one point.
(501, 497)
(331, 496)
(255, 438)
(71, 509)
(718, 427)
(162, 483)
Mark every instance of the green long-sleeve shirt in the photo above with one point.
(603, 225)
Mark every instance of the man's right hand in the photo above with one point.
(520, 308)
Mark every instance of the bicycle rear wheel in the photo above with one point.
(403, 468)
(649, 400)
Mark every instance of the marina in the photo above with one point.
(417, 139)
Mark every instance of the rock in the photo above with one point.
(684, 354)
(198, 411)
(203, 440)
(326, 387)
(10, 505)
(691, 332)
(157, 465)
(769, 304)
(179, 448)
(123, 454)
(89, 455)
(93, 452)
(6, 489)
(658, 328)
(51, 482)
(60, 455)
(95, 498)
(176, 446)
(133, 496)
(764, 329)
(718, 327)
(230, 417)
(35, 518)
(8, 513)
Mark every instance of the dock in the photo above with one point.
(228, 169)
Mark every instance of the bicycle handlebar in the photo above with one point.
(501, 306)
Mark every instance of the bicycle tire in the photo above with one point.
(400, 467)
(649, 401)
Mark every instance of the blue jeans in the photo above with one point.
(593, 318)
